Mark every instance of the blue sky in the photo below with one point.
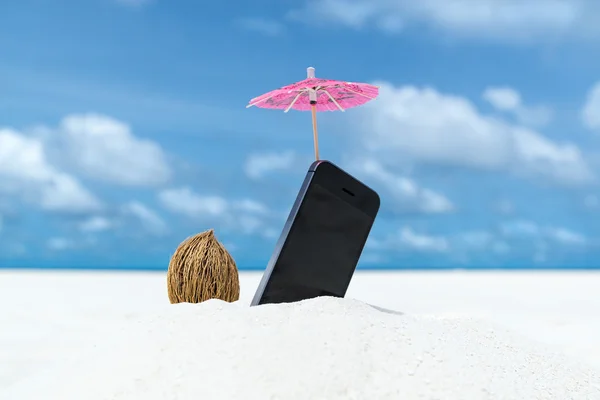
(123, 128)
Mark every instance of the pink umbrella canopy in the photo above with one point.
(314, 94)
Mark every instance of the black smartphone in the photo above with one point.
(322, 239)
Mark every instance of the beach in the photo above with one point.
(48, 318)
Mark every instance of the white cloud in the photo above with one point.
(271, 233)
(248, 216)
(351, 13)
(261, 25)
(185, 201)
(480, 242)
(502, 98)
(590, 114)
(520, 228)
(59, 244)
(64, 193)
(536, 116)
(566, 236)
(369, 257)
(259, 165)
(35, 167)
(149, 218)
(103, 148)
(251, 206)
(401, 125)
(126, 214)
(407, 193)
(542, 240)
(407, 238)
(539, 238)
(250, 224)
(26, 172)
(507, 99)
(96, 224)
(523, 229)
(476, 239)
(525, 21)
(423, 242)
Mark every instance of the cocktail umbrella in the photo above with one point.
(316, 94)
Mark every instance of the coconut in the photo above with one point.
(202, 269)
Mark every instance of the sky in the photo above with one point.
(123, 128)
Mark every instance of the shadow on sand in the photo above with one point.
(385, 310)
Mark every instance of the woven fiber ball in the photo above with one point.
(202, 269)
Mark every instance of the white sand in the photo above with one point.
(114, 336)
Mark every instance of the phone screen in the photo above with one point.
(322, 249)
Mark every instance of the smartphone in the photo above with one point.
(322, 239)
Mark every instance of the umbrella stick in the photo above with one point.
(315, 133)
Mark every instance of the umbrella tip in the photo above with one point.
(310, 72)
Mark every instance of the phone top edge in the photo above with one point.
(313, 167)
(372, 193)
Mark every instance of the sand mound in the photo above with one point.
(318, 349)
